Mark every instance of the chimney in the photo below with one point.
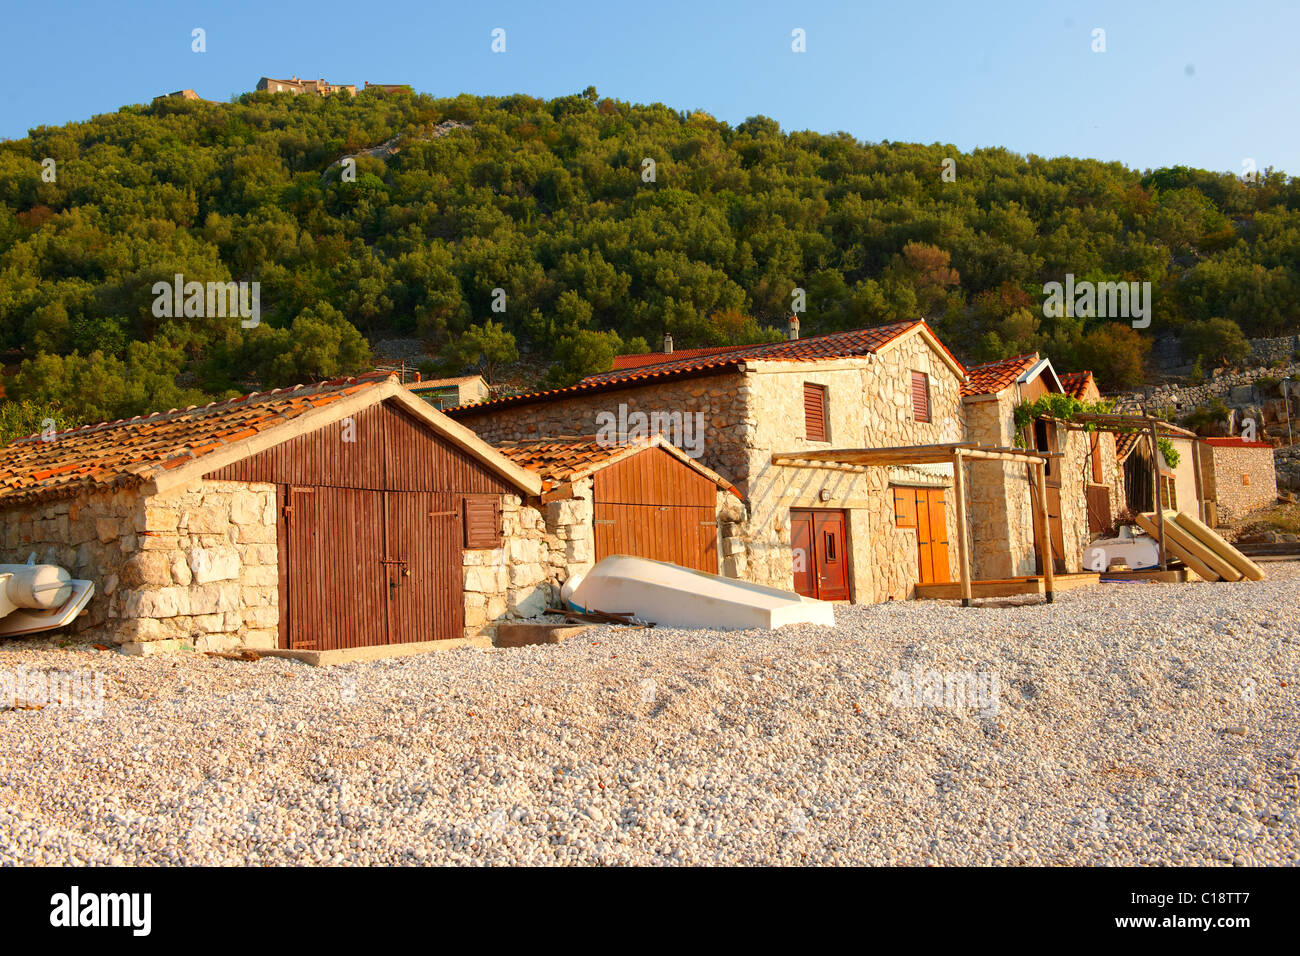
(794, 326)
(668, 343)
(417, 376)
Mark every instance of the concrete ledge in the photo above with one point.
(376, 652)
(522, 635)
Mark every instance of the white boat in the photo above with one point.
(674, 596)
(39, 597)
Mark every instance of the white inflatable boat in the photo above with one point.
(39, 597)
(674, 596)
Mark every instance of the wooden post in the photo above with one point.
(1160, 509)
(1196, 468)
(1045, 533)
(963, 552)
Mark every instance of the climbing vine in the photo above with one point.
(1066, 407)
(1057, 405)
(1167, 449)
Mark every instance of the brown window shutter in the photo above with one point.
(814, 411)
(482, 523)
(921, 396)
(1096, 458)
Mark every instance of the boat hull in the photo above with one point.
(674, 596)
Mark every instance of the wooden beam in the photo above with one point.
(1160, 509)
(1048, 568)
(963, 553)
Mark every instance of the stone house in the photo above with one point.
(1084, 485)
(450, 392)
(321, 87)
(1239, 476)
(755, 414)
(339, 515)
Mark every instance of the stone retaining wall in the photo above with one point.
(197, 567)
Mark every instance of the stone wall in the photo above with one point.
(999, 494)
(196, 567)
(1244, 479)
(718, 397)
(542, 547)
(1234, 387)
(1169, 354)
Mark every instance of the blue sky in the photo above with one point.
(1202, 84)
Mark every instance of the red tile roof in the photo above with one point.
(570, 457)
(656, 358)
(992, 377)
(1125, 442)
(132, 451)
(1076, 383)
(558, 460)
(815, 348)
(1236, 441)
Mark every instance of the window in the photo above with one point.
(1168, 493)
(814, 412)
(920, 396)
(1096, 458)
(1045, 439)
(482, 523)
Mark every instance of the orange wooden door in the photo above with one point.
(931, 536)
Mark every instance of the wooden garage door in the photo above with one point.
(651, 505)
(370, 567)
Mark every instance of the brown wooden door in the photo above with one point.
(820, 543)
(335, 582)
(832, 555)
(801, 544)
(651, 505)
(421, 567)
(932, 536)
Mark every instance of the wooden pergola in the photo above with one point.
(955, 454)
(1153, 428)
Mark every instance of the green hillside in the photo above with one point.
(548, 201)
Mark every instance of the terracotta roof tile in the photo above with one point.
(854, 342)
(992, 377)
(1125, 442)
(558, 460)
(1076, 383)
(130, 451)
(657, 358)
(569, 457)
(1236, 441)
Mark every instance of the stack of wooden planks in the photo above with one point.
(1200, 548)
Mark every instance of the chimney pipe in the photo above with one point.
(794, 327)
(668, 343)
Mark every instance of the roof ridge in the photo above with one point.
(885, 334)
(316, 387)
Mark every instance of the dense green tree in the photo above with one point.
(540, 207)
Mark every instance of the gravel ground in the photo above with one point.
(1147, 724)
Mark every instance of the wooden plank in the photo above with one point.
(963, 558)
(1172, 576)
(1149, 523)
(1203, 533)
(1218, 565)
(952, 591)
(1042, 531)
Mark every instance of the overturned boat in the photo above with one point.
(674, 596)
(39, 597)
